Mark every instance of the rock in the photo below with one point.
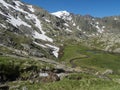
(31, 81)
(1, 53)
(43, 74)
(36, 53)
(58, 71)
(24, 88)
(51, 78)
(108, 71)
(4, 87)
(62, 75)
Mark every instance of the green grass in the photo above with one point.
(16, 68)
(87, 82)
(95, 59)
(6, 60)
(72, 51)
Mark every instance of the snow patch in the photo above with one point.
(116, 19)
(55, 50)
(79, 28)
(16, 7)
(66, 24)
(37, 22)
(43, 74)
(62, 14)
(68, 30)
(17, 22)
(30, 7)
(84, 32)
(42, 37)
(3, 26)
(18, 3)
(97, 23)
(97, 26)
(41, 45)
(2, 13)
(47, 20)
(74, 24)
(4, 3)
(100, 30)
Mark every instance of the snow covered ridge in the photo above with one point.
(62, 14)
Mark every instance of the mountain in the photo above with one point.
(27, 30)
(72, 51)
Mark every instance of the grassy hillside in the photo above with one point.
(86, 82)
(73, 55)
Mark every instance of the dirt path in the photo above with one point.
(77, 58)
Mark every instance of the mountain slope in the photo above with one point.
(29, 30)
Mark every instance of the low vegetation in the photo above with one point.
(93, 76)
(90, 58)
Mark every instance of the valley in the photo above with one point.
(57, 51)
(79, 68)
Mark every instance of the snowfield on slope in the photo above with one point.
(18, 21)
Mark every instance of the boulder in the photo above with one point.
(52, 77)
(4, 87)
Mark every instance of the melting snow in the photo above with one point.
(2, 13)
(40, 44)
(3, 26)
(79, 28)
(18, 3)
(4, 3)
(74, 24)
(68, 30)
(31, 8)
(42, 37)
(17, 22)
(43, 74)
(66, 24)
(47, 20)
(100, 30)
(55, 50)
(97, 23)
(116, 18)
(16, 7)
(61, 13)
(84, 32)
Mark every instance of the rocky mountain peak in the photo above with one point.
(62, 14)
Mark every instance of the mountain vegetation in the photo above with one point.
(57, 51)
